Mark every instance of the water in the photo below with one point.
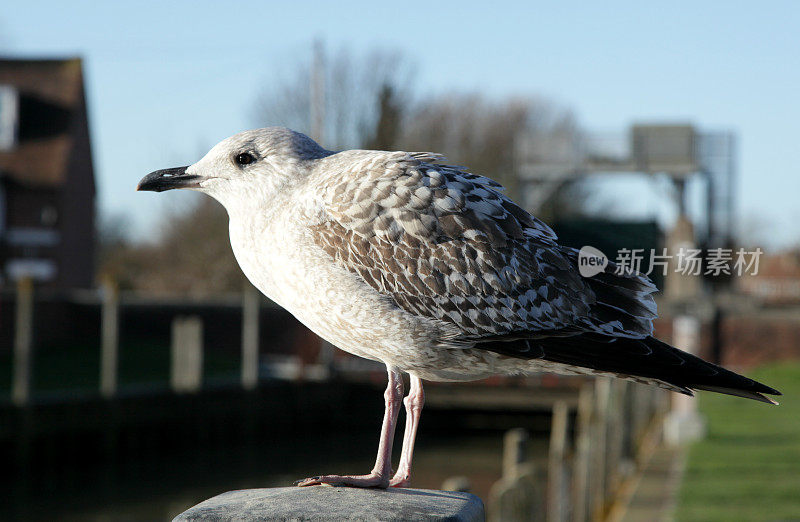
(151, 457)
(161, 490)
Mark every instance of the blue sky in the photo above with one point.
(167, 80)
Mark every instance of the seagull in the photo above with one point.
(401, 258)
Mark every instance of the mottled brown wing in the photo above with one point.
(447, 245)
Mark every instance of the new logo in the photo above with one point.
(591, 261)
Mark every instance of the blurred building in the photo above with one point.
(47, 190)
(777, 281)
(547, 162)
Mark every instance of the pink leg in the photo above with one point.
(414, 402)
(380, 474)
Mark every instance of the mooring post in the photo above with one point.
(337, 504)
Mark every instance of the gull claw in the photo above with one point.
(400, 483)
(306, 481)
(372, 480)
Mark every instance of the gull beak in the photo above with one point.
(168, 179)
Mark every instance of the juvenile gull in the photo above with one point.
(398, 258)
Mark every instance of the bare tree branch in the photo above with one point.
(353, 85)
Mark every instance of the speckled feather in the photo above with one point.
(448, 245)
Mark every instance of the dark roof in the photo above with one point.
(53, 88)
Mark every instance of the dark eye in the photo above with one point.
(244, 158)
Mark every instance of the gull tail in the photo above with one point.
(648, 358)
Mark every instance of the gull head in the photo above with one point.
(250, 166)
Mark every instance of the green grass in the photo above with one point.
(748, 467)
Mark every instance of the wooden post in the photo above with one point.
(109, 355)
(684, 423)
(23, 343)
(515, 447)
(616, 432)
(597, 483)
(556, 501)
(187, 354)
(639, 414)
(518, 495)
(580, 473)
(251, 301)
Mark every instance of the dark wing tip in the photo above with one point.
(756, 396)
(766, 389)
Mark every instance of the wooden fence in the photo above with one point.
(186, 366)
(594, 449)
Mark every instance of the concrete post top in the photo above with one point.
(320, 503)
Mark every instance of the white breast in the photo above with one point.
(283, 262)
